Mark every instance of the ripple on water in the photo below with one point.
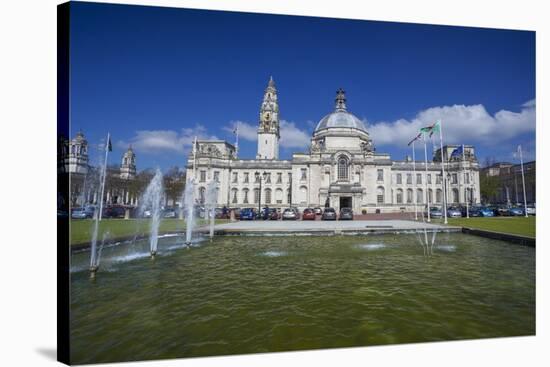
(446, 248)
(371, 246)
(274, 253)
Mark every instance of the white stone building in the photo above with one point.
(340, 168)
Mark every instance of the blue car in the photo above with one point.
(248, 214)
(516, 211)
(486, 212)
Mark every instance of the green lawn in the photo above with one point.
(513, 225)
(81, 230)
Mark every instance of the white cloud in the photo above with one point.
(291, 135)
(461, 125)
(158, 141)
(246, 131)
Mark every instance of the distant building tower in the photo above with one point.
(128, 165)
(268, 130)
(78, 154)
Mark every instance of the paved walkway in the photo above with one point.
(327, 227)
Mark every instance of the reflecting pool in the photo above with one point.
(264, 294)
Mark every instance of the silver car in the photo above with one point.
(289, 214)
(453, 212)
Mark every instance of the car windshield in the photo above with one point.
(329, 210)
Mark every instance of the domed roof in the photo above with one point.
(340, 117)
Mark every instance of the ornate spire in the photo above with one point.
(271, 83)
(340, 100)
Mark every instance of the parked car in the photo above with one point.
(516, 211)
(248, 214)
(346, 214)
(83, 212)
(222, 213)
(318, 211)
(114, 211)
(290, 214)
(329, 214)
(454, 212)
(273, 214)
(503, 210)
(169, 213)
(308, 214)
(486, 212)
(531, 209)
(435, 212)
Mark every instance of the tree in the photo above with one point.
(174, 183)
(488, 187)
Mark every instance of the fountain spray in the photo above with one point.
(152, 200)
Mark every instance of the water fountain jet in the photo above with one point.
(152, 200)
(189, 210)
(211, 200)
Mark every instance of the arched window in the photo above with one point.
(234, 196)
(202, 191)
(342, 168)
(409, 196)
(380, 195)
(419, 196)
(399, 196)
(288, 197)
(430, 196)
(245, 196)
(438, 196)
(256, 196)
(267, 196)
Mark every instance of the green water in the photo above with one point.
(265, 294)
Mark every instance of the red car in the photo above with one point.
(308, 214)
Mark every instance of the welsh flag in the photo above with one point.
(434, 128)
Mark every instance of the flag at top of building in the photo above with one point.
(457, 152)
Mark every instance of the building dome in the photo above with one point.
(340, 118)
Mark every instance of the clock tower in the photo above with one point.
(268, 129)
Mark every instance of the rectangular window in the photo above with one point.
(246, 177)
(289, 177)
(279, 177)
(235, 177)
(257, 177)
(466, 177)
(409, 179)
(380, 177)
(399, 181)
(438, 179)
(454, 178)
(429, 178)
(419, 178)
(304, 174)
(380, 199)
(268, 178)
(217, 176)
(202, 176)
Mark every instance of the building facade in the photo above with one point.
(341, 168)
(120, 182)
(510, 182)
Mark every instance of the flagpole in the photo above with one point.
(444, 178)
(104, 175)
(414, 196)
(237, 141)
(194, 158)
(467, 188)
(523, 181)
(426, 178)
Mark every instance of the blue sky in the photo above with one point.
(155, 77)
